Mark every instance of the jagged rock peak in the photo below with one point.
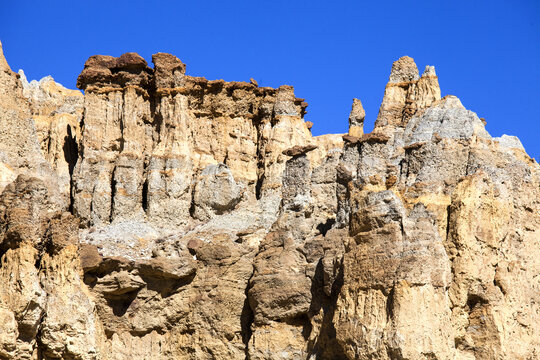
(169, 71)
(406, 93)
(429, 71)
(356, 118)
(3, 63)
(404, 69)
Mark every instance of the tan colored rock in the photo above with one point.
(356, 119)
(19, 144)
(9, 334)
(278, 341)
(57, 113)
(40, 278)
(4, 66)
(69, 328)
(481, 296)
(406, 93)
(89, 257)
(22, 299)
(214, 226)
(149, 151)
(25, 219)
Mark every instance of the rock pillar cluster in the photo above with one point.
(165, 216)
(149, 134)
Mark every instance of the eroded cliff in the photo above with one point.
(164, 216)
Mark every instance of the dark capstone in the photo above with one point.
(299, 150)
(108, 71)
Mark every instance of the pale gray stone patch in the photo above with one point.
(449, 119)
(510, 142)
(129, 239)
(429, 70)
(216, 192)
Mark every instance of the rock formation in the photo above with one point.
(166, 216)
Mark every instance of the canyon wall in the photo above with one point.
(165, 216)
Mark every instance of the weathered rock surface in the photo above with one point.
(20, 150)
(57, 114)
(356, 119)
(166, 216)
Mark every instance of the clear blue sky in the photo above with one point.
(485, 52)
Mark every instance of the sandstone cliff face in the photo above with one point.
(165, 216)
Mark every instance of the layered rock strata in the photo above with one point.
(149, 134)
(165, 216)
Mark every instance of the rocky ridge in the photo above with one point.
(165, 216)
